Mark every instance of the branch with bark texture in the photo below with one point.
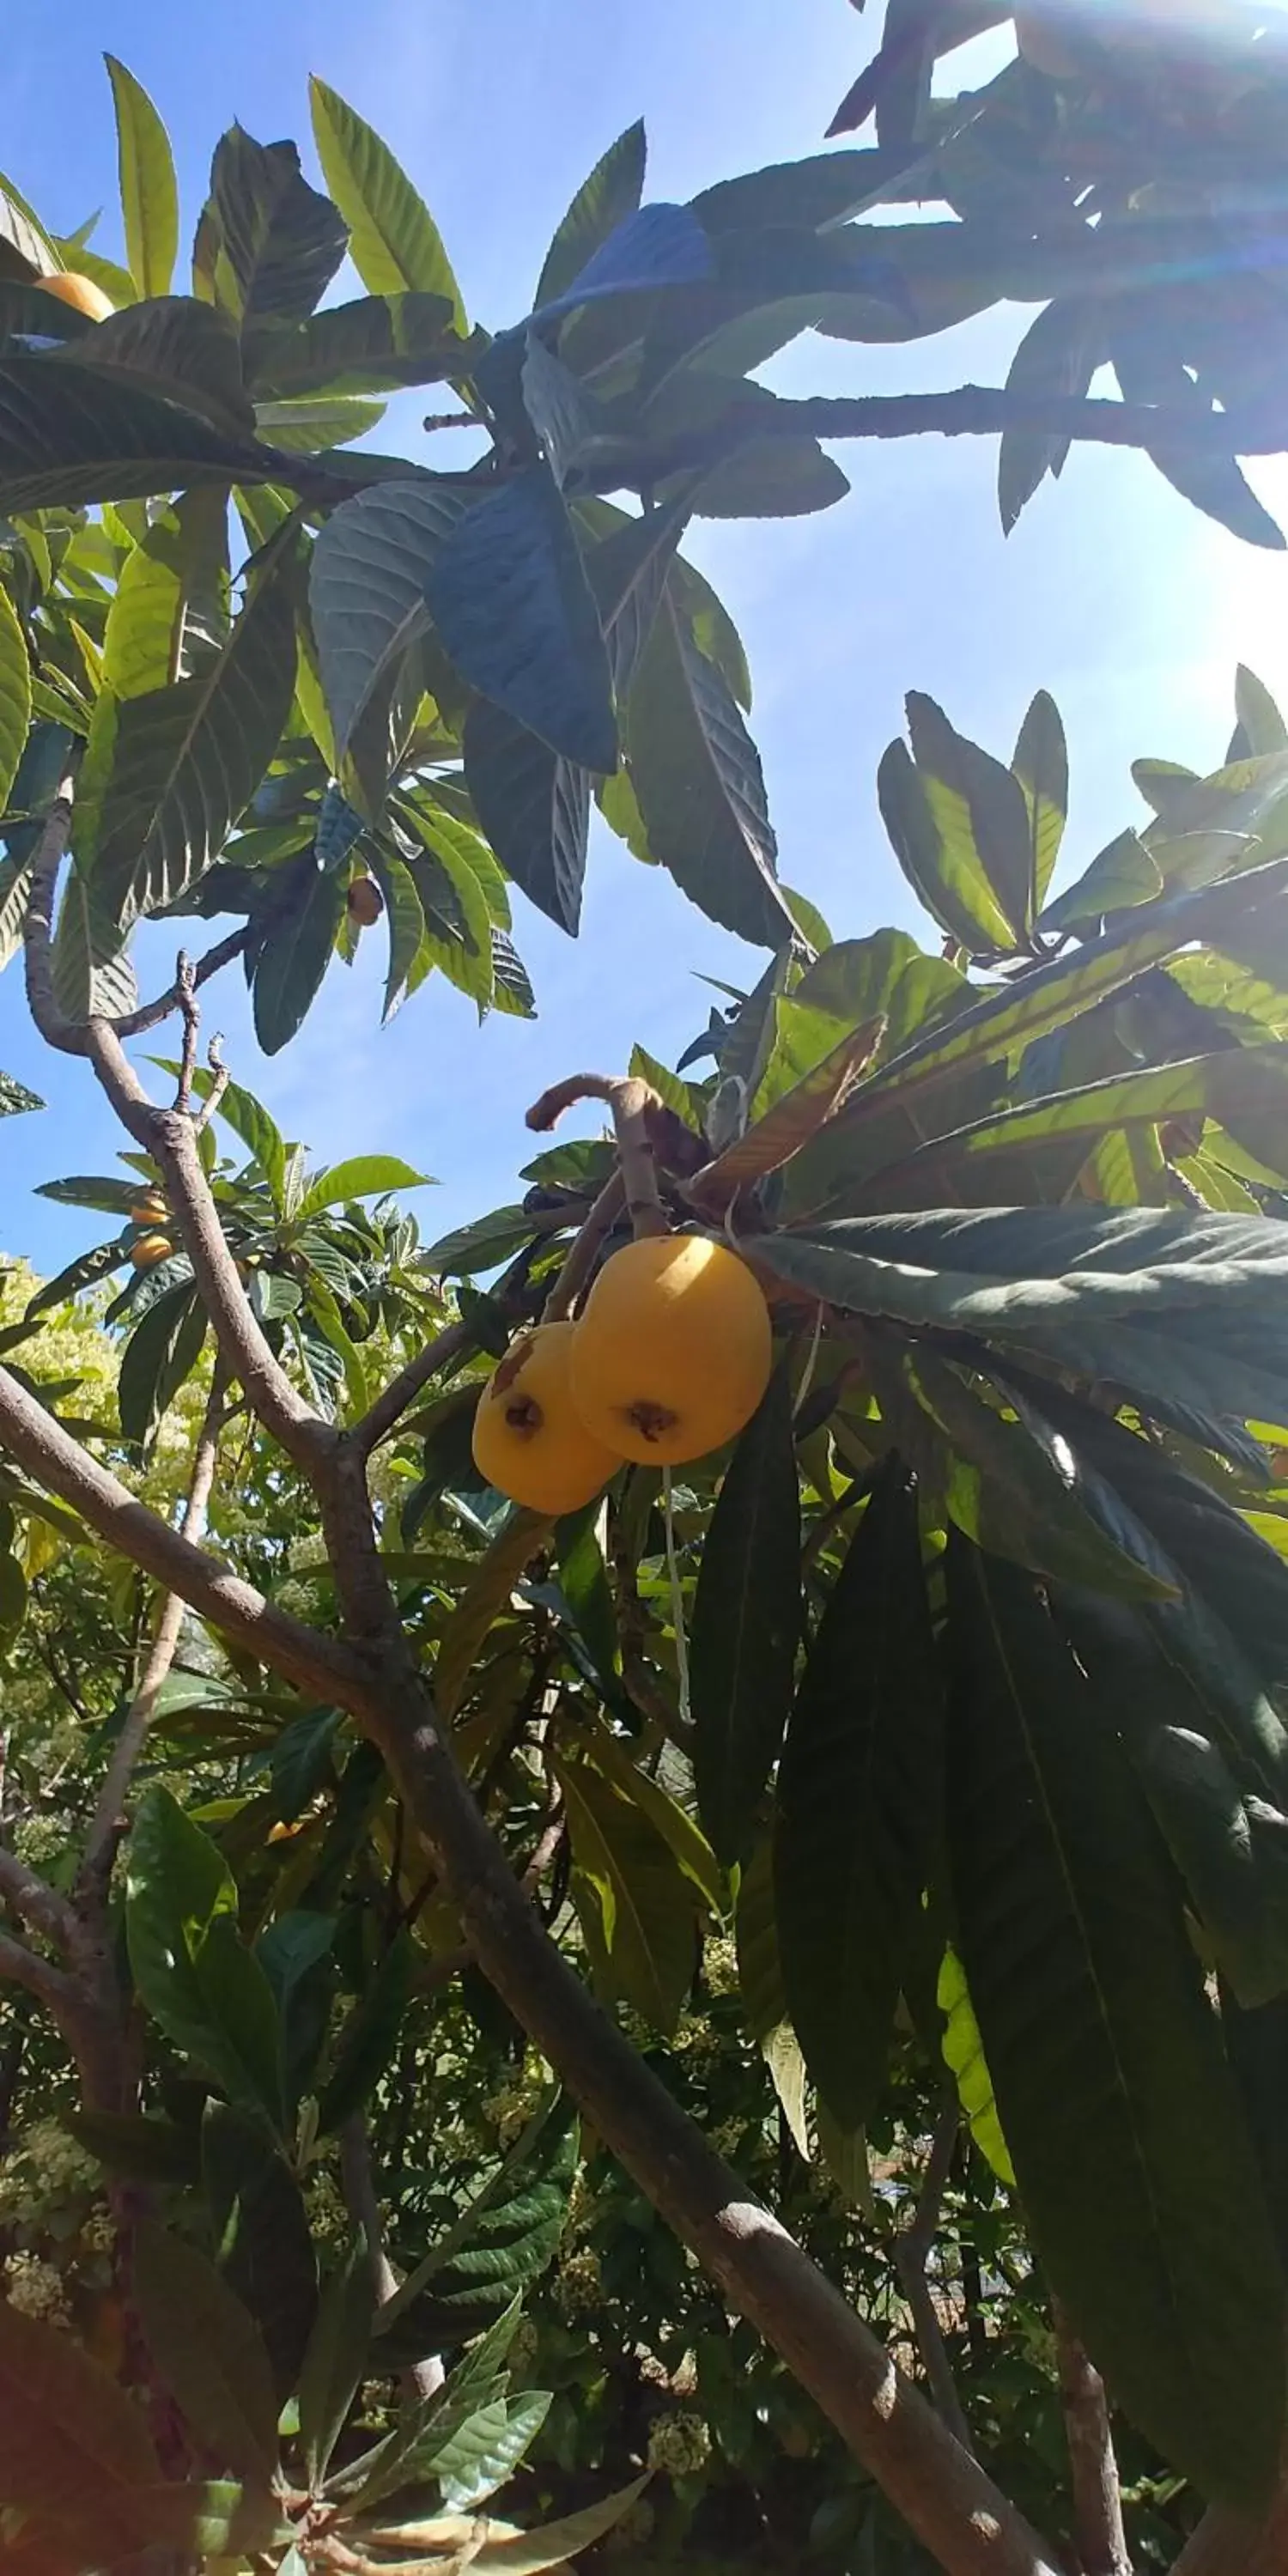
(1098, 2533)
(912, 2253)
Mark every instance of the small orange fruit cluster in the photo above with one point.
(153, 1244)
(669, 1358)
(80, 292)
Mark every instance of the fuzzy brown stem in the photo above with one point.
(912, 2255)
(630, 1102)
(573, 1277)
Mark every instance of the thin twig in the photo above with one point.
(149, 1015)
(1098, 2533)
(425, 2378)
(129, 1743)
(401, 1393)
(186, 987)
(582, 1257)
(912, 2252)
(219, 1084)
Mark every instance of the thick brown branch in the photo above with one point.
(1098, 2533)
(50, 1985)
(320, 1665)
(149, 1015)
(35, 1903)
(912, 2254)
(1235, 2544)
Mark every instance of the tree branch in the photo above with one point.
(912, 2252)
(1235, 2544)
(170, 1138)
(424, 2378)
(630, 1102)
(50, 1985)
(387, 1411)
(149, 1015)
(1098, 2532)
(129, 1743)
(576, 1270)
(35, 1903)
(320, 1665)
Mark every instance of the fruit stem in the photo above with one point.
(581, 1257)
(677, 1600)
(630, 1102)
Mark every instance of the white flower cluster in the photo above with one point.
(679, 2445)
(44, 2166)
(579, 2287)
(35, 2288)
(720, 1967)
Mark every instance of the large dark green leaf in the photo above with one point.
(172, 346)
(336, 2358)
(190, 1966)
(207, 2349)
(1257, 2046)
(1041, 764)
(1230, 1847)
(149, 190)
(1057, 356)
(367, 347)
(68, 2432)
(503, 2240)
(509, 596)
(169, 773)
(268, 245)
(393, 239)
(69, 435)
(294, 952)
(1149, 371)
(171, 605)
(698, 780)
(534, 807)
(159, 1357)
(15, 695)
(1133, 2162)
(746, 1625)
(637, 1908)
(91, 967)
(859, 1792)
(979, 817)
(608, 196)
(261, 2236)
(367, 582)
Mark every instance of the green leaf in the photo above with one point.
(746, 1625)
(858, 1801)
(393, 240)
(963, 2051)
(13, 1597)
(1124, 874)
(173, 770)
(1258, 714)
(488, 2448)
(698, 780)
(210, 2520)
(365, 1176)
(1149, 371)
(610, 1754)
(509, 596)
(336, 2359)
(1096, 2028)
(74, 434)
(370, 346)
(159, 1357)
(137, 2146)
(1056, 357)
(295, 952)
(547, 2545)
(149, 190)
(980, 817)
(92, 972)
(207, 2349)
(1257, 2047)
(370, 2038)
(794, 1115)
(171, 599)
(503, 2240)
(534, 807)
(192, 1970)
(248, 1119)
(608, 196)
(367, 589)
(68, 2432)
(261, 2235)
(15, 695)
(1041, 764)
(636, 1905)
(493, 1580)
(267, 245)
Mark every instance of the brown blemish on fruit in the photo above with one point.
(650, 1420)
(524, 1416)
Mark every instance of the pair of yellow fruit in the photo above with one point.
(669, 1358)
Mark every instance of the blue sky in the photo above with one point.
(1112, 593)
